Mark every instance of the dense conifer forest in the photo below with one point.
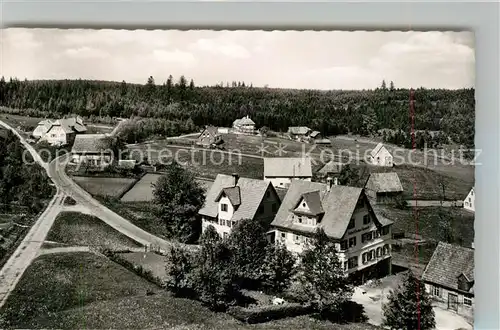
(178, 105)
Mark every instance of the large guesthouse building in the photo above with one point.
(363, 239)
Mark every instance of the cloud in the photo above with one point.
(86, 53)
(175, 56)
(106, 37)
(219, 47)
(23, 39)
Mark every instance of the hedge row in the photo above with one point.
(268, 313)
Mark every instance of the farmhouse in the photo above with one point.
(383, 188)
(299, 133)
(380, 156)
(95, 150)
(345, 214)
(280, 170)
(331, 170)
(449, 278)
(469, 202)
(231, 198)
(244, 125)
(59, 132)
(209, 136)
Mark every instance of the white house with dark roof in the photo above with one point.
(380, 156)
(345, 214)
(209, 136)
(449, 278)
(469, 201)
(383, 188)
(282, 170)
(231, 198)
(95, 150)
(59, 132)
(244, 125)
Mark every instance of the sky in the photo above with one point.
(283, 59)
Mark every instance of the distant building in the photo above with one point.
(280, 170)
(449, 278)
(93, 150)
(380, 156)
(244, 125)
(231, 198)
(383, 188)
(469, 201)
(331, 170)
(209, 136)
(127, 164)
(317, 138)
(59, 132)
(362, 238)
(299, 133)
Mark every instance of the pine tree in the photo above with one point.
(383, 85)
(409, 306)
(391, 86)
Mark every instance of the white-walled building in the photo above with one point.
(469, 201)
(380, 156)
(244, 125)
(280, 171)
(363, 238)
(231, 198)
(93, 150)
(59, 132)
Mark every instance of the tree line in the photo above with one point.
(21, 183)
(334, 112)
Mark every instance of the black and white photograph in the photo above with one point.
(203, 179)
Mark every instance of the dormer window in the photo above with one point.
(366, 219)
(303, 204)
(223, 207)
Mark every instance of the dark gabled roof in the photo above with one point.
(447, 263)
(233, 193)
(92, 143)
(331, 167)
(287, 167)
(211, 130)
(251, 194)
(69, 125)
(384, 182)
(338, 204)
(313, 201)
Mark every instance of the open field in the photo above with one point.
(101, 186)
(77, 229)
(142, 191)
(82, 290)
(462, 224)
(149, 261)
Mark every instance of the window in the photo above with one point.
(296, 239)
(283, 235)
(375, 234)
(436, 291)
(379, 252)
(274, 207)
(223, 207)
(385, 249)
(366, 219)
(281, 183)
(467, 301)
(352, 242)
(229, 223)
(299, 219)
(352, 262)
(225, 235)
(261, 209)
(346, 265)
(385, 230)
(469, 200)
(343, 245)
(352, 224)
(303, 204)
(366, 237)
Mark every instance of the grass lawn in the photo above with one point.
(143, 190)
(462, 225)
(101, 186)
(149, 261)
(82, 290)
(16, 120)
(77, 229)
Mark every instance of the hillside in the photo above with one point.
(331, 112)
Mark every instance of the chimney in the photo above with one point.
(329, 184)
(235, 177)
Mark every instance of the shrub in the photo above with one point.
(69, 201)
